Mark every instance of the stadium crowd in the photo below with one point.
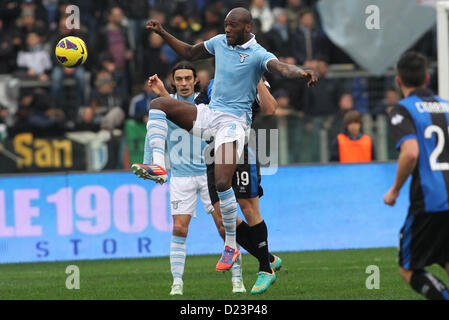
(111, 86)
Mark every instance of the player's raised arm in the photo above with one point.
(185, 50)
(291, 71)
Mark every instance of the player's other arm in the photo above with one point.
(185, 50)
(408, 158)
(293, 72)
(268, 103)
(404, 133)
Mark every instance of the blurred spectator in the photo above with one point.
(260, 9)
(279, 36)
(208, 34)
(336, 123)
(87, 121)
(359, 91)
(33, 16)
(260, 36)
(158, 14)
(22, 117)
(307, 42)
(113, 38)
(7, 51)
(345, 103)
(51, 6)
(140, 104)
(292, 11)
(45, 120)
(35, 61)
(9, 12)
(38, 9)
(188, 8)
(154, 61)
(283, 100)
(59, 73)
(390, 100)
(35, 115)
(137, 12)
(352, 145)
(4, 122)
(213, 18)
(177, 25)
(203, 77)
(322, 99)
(107, 63)
(105, 105)
(185, 29)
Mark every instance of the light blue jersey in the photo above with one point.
(184, 160)
(237, 71)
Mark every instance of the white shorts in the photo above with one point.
(184, 193)
(223, 127)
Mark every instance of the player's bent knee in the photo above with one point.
(158, 103)
(223, 184)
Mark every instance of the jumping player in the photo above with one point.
(247, 188)
(239, 64)
(419, 124)
(188, 177)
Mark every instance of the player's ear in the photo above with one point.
(398, 80)
(427, 78)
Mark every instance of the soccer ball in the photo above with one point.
(71, 52)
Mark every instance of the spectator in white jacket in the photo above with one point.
(35, 60)
(260, 9)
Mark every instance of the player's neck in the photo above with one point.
(245, 39)
(406, 91)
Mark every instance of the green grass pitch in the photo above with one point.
(322, 275)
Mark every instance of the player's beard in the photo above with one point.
(238, 39)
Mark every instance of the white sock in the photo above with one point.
(228, 207)
(236, 268)
(157, 129)
(177, 258)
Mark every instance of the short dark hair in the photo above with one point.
(352, 116)
(188, 66)
(412, 68)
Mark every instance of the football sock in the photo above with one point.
(259, 235)
(228, 207)
(245, 241)
(428, 285)
(236, 269)
(177, 258)
(157, 128)
(147, 154)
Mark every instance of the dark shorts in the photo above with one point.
(424, 240)
(246, 179)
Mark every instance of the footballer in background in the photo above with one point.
(419, 125)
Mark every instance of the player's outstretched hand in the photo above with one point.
(154, 25)
(391, 196)
(311, 77)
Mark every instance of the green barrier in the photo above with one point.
(135, 139)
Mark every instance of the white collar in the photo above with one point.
(249, 43)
